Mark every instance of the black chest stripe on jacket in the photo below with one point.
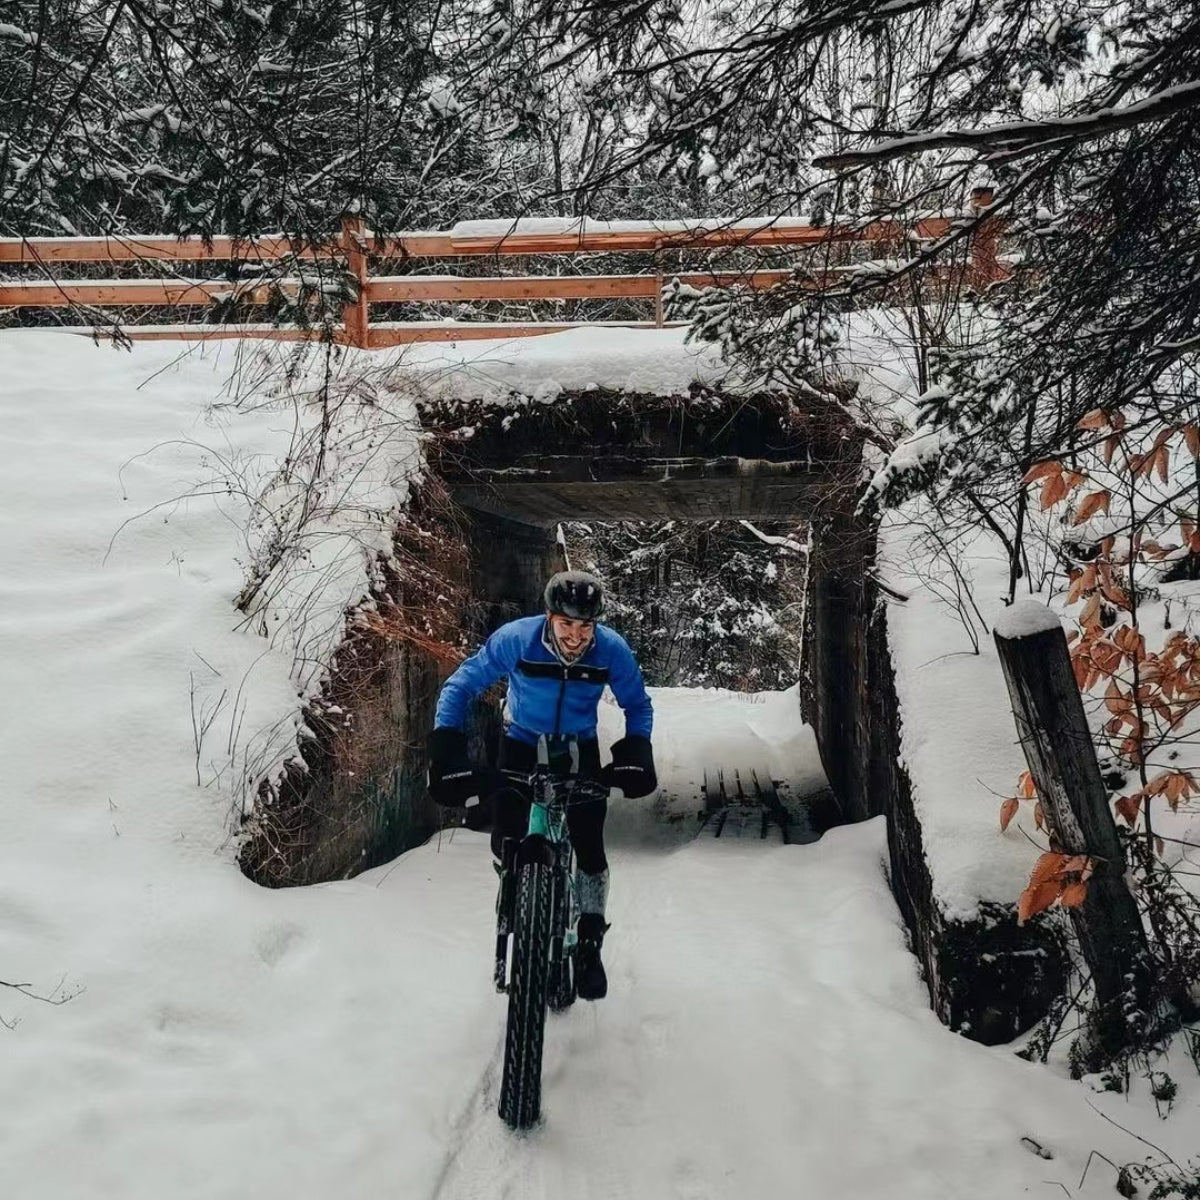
(575, 673)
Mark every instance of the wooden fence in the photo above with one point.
(356, 249)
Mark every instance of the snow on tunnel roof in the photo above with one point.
(650, 361)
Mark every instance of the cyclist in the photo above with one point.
(557, 667)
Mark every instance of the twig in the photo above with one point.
(1097, 1154)
(52, 998)
(1144, 1141)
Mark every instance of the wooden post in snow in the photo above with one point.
(355, 315)
(1054, 734)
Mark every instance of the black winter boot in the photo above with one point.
(591, 983)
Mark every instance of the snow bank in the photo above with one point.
(958, 742)
(140, 490)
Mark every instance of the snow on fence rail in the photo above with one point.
(356, 247)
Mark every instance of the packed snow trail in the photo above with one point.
(766, 1034)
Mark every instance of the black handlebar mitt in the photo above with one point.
(452, 779)
(632, 767)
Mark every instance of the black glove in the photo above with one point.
(452, 778)
(632, 767)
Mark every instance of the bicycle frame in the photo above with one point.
(552, 793)
(538, 907)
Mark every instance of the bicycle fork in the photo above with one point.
(561, 905)
(562, 902)
(506, 903)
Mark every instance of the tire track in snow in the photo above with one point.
(473, 1110)
(596, 1059)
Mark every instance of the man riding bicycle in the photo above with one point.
(557, 667)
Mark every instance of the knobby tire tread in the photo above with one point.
(521, 1087)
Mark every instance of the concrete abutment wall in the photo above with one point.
(988, 978)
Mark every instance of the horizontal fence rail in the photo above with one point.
(356, 248)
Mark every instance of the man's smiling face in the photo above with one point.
(571, 636)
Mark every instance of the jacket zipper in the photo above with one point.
(562, 691)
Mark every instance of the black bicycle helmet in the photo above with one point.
(575, 594)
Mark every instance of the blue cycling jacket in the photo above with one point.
(546, 695)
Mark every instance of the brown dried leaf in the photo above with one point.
(1115, 700)
(1008, 810)
(1082, 667)
(1091, 504)
(1106, 656)
(1042, 470)
(1081, 582)
(1054, 489)
(1114, 592)
(1162, 460)
(1035, 899)
(1048, 866)
(1128, 807)
(1131, 748)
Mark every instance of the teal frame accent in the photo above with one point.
(539, 821)
(548, 819)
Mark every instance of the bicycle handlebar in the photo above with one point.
(577, 790)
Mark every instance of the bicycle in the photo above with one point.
(537, 907)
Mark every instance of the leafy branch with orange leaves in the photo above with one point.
(1128, 534)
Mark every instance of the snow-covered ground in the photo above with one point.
(766, 1033)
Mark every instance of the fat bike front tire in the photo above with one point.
(521, 1088)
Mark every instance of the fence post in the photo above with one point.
(355, 315)
(658, 275)
(1057, 742)
(985, 244)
